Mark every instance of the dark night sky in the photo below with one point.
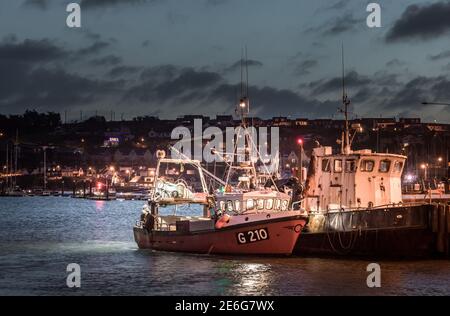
(175, 57)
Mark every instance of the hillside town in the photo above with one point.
(40, 152)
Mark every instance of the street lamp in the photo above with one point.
(300, 143)
(424, 168)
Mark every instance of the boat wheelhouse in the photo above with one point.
(359, 179)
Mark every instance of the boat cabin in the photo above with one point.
(359, 179)
(253, 202)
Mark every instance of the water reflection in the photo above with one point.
(99, 205)
(40, 236)
(251, 279)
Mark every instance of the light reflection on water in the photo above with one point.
(39, 236)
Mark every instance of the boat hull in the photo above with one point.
(402, 232)
(282, 235)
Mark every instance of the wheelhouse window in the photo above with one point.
(337, 166)
(250, 204)
(230, 206)
(398, 166)
(277, 205)
(385, 165)
(222, 205)
(367, 165)
(350, 165)
(326, 167)
(237, 205)
(284, 205)
(260, 204)
(269, 204)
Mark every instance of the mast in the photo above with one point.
(346, 147)
(243, 109)
(7, 165)
(16, 150)
(44, 148)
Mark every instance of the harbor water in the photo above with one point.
(40, 236)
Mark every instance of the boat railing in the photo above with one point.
(358, 208)
(294, 204)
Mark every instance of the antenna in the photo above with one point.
(345, 102)
(242, 72)
(246, 73)
(243, 107)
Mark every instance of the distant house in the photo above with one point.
(301, 122)
(410, 120)
(133, 157)
(281, 122)
(114, 138)
(99, 156)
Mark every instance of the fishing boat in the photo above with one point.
(235, 222)
(355, 205)
(246, 216)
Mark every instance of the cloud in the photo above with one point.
(31, 78)
(95, 48)
(120, 71)
(42, 88)
(352, 79)
(30, 51)
(442, 55)
(186, 80)
(110, 60)
(421, 22)
(418, 90)
(109, 3)
(40, 4)
(173, 89)
(342, 24)
(268, 101)
(146, 43)
(238, 64)
(305, 66)
(395, 63)
(339, 5)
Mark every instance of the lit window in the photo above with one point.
(260, 204)
(326, 165)
(237, 205)
(398, 166)
(250, 204)
(222, 205)
(229, 206)
(269, 204)
(277, 205)
(337, 165)
(385, 165)
(284, 205)
(367, 165)
(350, 166)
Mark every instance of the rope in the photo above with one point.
(345, 249)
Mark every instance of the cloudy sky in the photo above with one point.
(175, 57)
